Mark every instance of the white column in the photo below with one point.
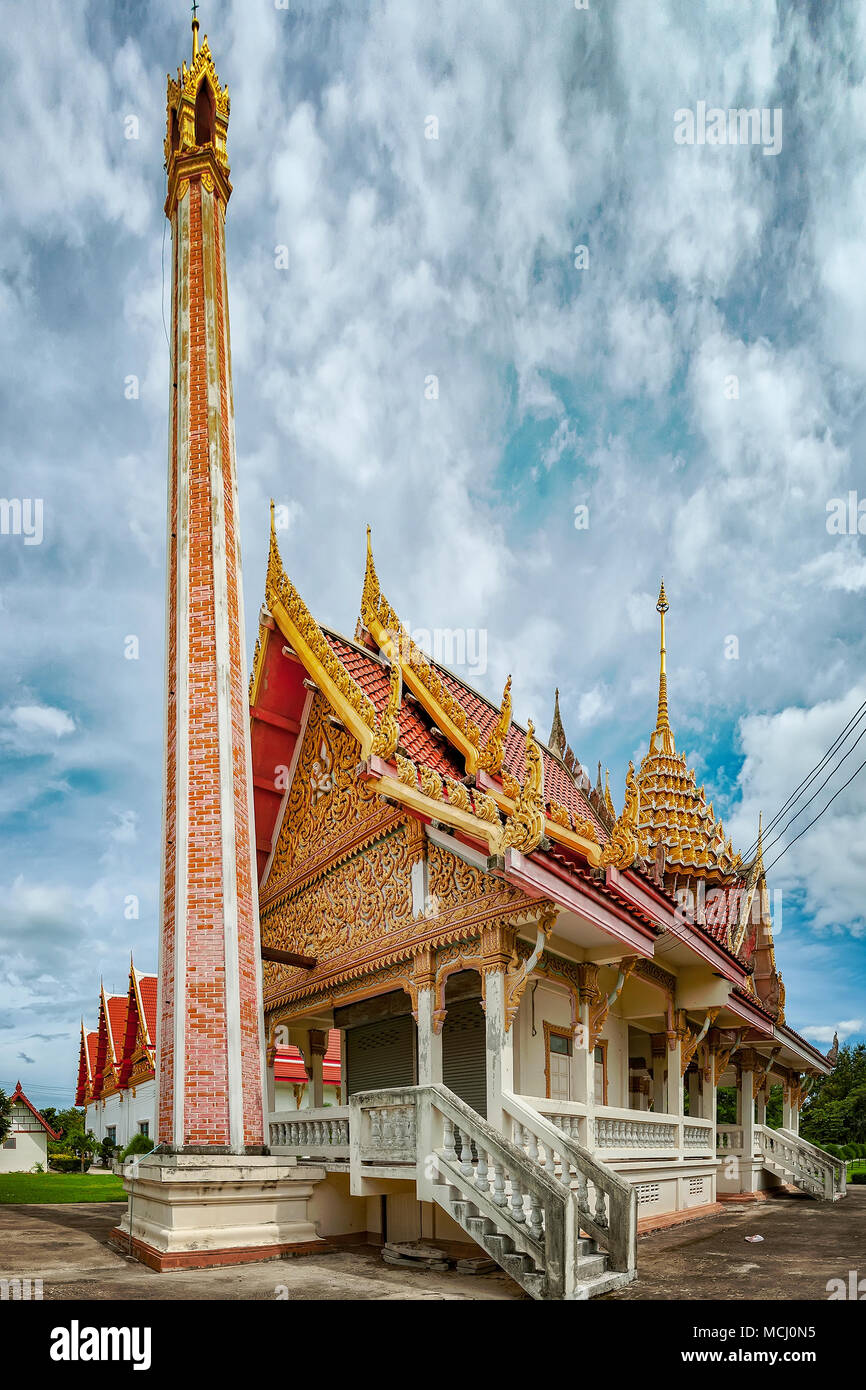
(584, 1076)
(761, 1108)
(659, 1061)
(318, 1048)
(270, 1082)
(790, 1111)
(429, 1042)
(500, 1048)
(694, 1080)
(746, 1108)
(675, 1102)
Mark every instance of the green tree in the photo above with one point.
(5, 1113)
(835, 1109)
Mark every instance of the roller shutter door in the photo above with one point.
(380, 1054)
(464, 1053)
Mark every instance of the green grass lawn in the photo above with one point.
(60, 1187)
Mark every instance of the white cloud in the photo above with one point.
(28, 720)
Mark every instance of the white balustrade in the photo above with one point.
(315, 1134)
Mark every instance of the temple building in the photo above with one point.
(533, 998)
(116, 1064)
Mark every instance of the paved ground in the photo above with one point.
(805, 1244)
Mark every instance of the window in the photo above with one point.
(601, 1073)
(111, 1134)
(144, 1128)
(558, 1047)
(9, 1143)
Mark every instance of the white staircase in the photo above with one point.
(561, 1223)
(794, 1160)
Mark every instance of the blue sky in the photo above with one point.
(408, 257)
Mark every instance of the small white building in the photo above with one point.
(26, 1144)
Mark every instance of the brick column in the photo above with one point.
(211, 1045)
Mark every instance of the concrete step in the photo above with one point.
(479, 1227)
(588, 1266)
(602, 1283)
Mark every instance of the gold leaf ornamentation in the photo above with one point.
(622, 848)
(493, 752)
(280, 589)
(524, 828)
(407, 771)
(485, 808)
(431, 782)
(388, 729)
(458, 795)
(559, 815)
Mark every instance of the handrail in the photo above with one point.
(798, 1156)
(498, 1182)
(614, 1228)
(837, 1164)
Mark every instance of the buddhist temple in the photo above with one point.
(531, 998)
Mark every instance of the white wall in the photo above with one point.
(125, 1111)
(31, 1147)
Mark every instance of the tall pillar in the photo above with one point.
(210, 1038)
(211, 1044)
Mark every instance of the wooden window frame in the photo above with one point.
(601, 1043)
(556, 1031)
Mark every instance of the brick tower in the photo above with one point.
(210, 1193)
(210, 1064)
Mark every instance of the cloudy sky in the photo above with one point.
(413, 179)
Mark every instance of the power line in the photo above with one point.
(853, 721)
(830, 774)
(819, 815)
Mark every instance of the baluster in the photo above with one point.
(600, 1209)
(482, 1181)
(531, 1145)
(517, 1199)
(582, 1194)
(499, 1195)
(550, 1160)
(448, 1139)
(466, 1155)
(536, 1225)
(375, 1129)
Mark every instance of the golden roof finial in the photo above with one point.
(557, 742)
(194, 30)
(275, 564)
(662, 740)
(370, 595)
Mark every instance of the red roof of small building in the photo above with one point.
(18, 1095)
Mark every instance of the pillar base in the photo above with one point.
(194, 1211)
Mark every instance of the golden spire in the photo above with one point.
(557, 742)
(370, 595)
(662, 740)
(194, 30)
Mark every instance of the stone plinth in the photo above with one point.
(192, 1211)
